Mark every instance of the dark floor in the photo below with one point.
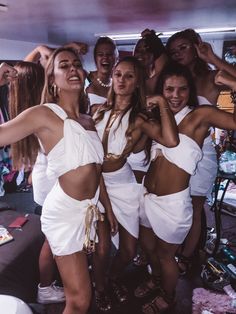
(23, 202)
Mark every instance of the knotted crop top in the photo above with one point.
(116, 138)
(78, 147)
(186, 154)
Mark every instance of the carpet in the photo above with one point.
(208, 302)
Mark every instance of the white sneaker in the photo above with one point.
(50, 294)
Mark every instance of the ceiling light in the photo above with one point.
(3, 7)
(118, 37)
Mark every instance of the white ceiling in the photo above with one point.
(60, 21)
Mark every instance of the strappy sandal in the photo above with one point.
(103, 301)
(184, 263)
(140, 260)
(119, 291)
(160, 304)
(148, 286)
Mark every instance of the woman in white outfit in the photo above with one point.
(123, 130)
(187, 48)
(105, 55)
(166, 206)
(74, 154)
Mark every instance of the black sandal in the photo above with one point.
(119, 291)
(184, 263)
(160, 304)
(103, 301)
(148, 286)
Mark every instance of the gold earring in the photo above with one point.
(54, 90)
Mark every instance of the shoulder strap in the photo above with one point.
(57, 110)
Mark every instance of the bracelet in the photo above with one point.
(233, 97)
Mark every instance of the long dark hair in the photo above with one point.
(25, 92)
(174, 68)
(48, 95)
(200, 66)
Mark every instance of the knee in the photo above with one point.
(102, 251)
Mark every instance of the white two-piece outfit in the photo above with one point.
(170, 216)
(42, 185)
(201, 183)
(64, 219)
(122, 188)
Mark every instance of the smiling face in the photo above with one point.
(105, 58)
(176, 91)
(124, 79)
(68, 72)
(141, 52)
(182, 51)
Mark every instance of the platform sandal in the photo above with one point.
(103, 301)
(184, 263)
(160, 304)
(148, 286)
(120, 291)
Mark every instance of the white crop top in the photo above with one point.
(78, 147)
(186, 154)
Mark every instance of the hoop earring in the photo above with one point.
(54, 90)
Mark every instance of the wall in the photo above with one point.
(17, 50)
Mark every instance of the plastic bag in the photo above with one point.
(227, 162)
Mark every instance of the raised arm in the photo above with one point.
(40, 53)
(7, 73)
(206, 53)
(164, 132)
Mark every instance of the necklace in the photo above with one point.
(103, 84)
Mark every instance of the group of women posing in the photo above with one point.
(95, 193)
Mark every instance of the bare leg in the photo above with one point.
(76, 280)
(125, 253)
(101, 255)
(169, 269)
(148, 242)
(46, 265)
(193, 236)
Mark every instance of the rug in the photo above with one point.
(208, 302)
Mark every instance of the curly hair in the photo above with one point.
(25, 92)
(200, 66)
(138, 99)
(48, 95)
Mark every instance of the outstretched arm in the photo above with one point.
(224, 78)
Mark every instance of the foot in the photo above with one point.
(119, 291)
(160, 304)
(50, 294)
(103, 301)
(147, 287)
(184, 264)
